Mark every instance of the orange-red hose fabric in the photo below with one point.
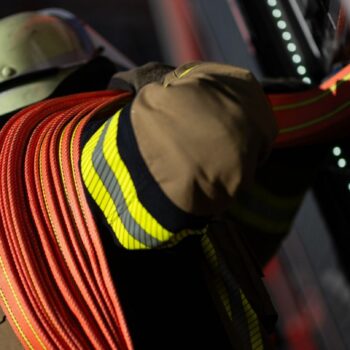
(55, 285)
(316, 115)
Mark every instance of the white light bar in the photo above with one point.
(287, 36)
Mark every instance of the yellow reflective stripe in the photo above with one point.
(251, 324)
(139, 230)
(175, 239)
(258, 221)
(96, 187)
(256, 339)
(330, 90)
(8, 308)
(316, 120)
(185, 72)
(264, 210)
(288, 203)
(136, 209)
(177, 74)
(110, 184)
(210, 254)
(8, 280)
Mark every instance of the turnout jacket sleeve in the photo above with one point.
(173, 158)
(201, 130)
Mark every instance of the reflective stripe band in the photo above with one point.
(260, 222)
(185, 72)
(264, 210)
(109, 182)
(212, 259)
(177, 238)
(100, 194)
(253, 325)
(238, 309)
(269, 206)
(180, 73)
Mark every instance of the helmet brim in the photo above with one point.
(26, 94)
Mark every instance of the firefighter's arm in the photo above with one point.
(184, 145)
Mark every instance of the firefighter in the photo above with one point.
(159, 168)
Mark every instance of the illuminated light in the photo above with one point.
(296, 58)
(281, 24)
(349, 186)
(291, 47)
(286, 36)
(272, 3)
(307, 80)
(276, 13)
(341, 163)
(301, 70)
(336, 151)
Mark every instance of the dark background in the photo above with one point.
(127, 24)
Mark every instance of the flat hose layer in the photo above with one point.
(315, 115)
(54, 282)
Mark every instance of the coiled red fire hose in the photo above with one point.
(55, 283)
